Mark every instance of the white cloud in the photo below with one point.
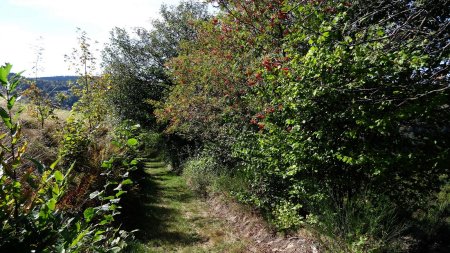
(96, 17)
(103, 13)
(16, 47)
(18, 50)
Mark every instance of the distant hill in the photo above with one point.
(59, 78)
(53, 85)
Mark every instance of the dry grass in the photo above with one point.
(42, 143)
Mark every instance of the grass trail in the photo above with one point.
(171, 219)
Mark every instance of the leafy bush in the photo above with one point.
(136, 62)
(322, 101)
(75, 142)
(200, 173)
(286, 215)
(32, 211)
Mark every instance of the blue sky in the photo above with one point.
(23, 22)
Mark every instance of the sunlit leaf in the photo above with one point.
(132, 142)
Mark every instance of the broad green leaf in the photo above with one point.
(16, 81)
(132, 142)
(58, 176)
(107, 164)
(99, 232)
(126, 181)
(55, 190)
(89, 214)
(4, 72)
(120, 193)
(5, 118)
(98, 238)
(12, 101)
(17, 185)
(51, 204)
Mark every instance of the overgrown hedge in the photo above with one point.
(337, 112)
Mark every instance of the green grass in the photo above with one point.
(170, 218)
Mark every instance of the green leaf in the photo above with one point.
(126, 181)
(5, 117)
(79, 237)
(12, 101)
(132, 142)
(119, 193)
(4, 72)
(17, 185)
(55, 190)
(16, 81)
(58, 176)
(53, 165)
(98, 236)
(89, 214)
(51, 204)
(107, 164)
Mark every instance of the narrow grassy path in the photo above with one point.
(171, 219)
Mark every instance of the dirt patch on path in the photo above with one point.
(248, 225)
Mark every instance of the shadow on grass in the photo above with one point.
(148, 209)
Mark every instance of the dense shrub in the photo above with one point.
(136, 61)
(33, 212)
(321, 101)
(75, 142)
(200, 173)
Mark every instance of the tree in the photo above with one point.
(347, 102)
(83, 61)
(40, 104)
(211, 76)
(136, 62)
